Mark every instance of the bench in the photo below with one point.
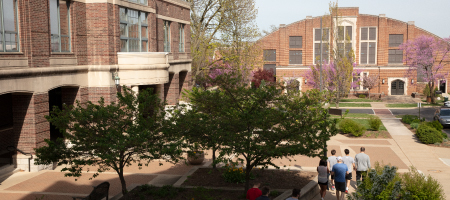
(99, 192)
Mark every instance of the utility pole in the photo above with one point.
(320, 78)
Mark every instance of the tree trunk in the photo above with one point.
(432, 94)
(124, 184)
(248, 169)
(214, 157)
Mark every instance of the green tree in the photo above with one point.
(260, 125)
(111, 136)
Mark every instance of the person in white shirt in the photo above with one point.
(350, 162)
(323, 171)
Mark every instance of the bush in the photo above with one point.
(374, 123)
(428, 135)
(417, 186)
(426, 90)
(232, 174)
(362, 96)
(380, 183)
(350, 126)
(414, 125)
(435, 124)
(408, 119)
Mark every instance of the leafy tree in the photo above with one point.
(224, 30)
(262, 74)
(111, 136)
(426, 57)
(259, 125)
(370, 82)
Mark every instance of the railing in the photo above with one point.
(13, 148)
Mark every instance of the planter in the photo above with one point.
(195, 157)
(428, 99)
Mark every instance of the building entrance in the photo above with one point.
(397, 87)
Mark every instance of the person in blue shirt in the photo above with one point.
(340, 170)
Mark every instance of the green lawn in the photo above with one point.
(352, 105)
(360, 100)
(401, 105)
(354, 115)
(365, 123)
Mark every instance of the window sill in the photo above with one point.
(11, 53)
(396, 65)
(62, 53)
(295, 65)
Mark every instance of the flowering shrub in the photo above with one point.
(232, 174)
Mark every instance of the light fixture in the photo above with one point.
(306, 81)
(412, 81)
(116, 79)
(383, 81)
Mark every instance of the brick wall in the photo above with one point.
(279, 40)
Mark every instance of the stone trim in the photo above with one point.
(63, 61)
(13, 62)
(136, 5)
(172, 19)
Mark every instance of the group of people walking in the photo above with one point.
(341, 170)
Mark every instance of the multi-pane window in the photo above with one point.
(270, 55)
(60, 25)
(166, 36)
(361, 77)
(181, 43)
(133, 30)
(325, 37)
(368, 45)
(9, 34)
(395, 40)
(344, 40)
(295, 42)
(295, 57)
(273, 68)
(395, 56)
(143, 2)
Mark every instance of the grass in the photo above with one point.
(360, 100)
(353, 115)
(352, 105)
(365, 123)
(401, 105)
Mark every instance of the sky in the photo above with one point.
(431, 15)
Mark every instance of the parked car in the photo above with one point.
(443, 116)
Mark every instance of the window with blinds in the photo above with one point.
(395, 40)
(325, 37)
(344, 40)
(395, 56)
(368, 43)
(270, 55)
(295, 57)
(295, 42)
(167, 36)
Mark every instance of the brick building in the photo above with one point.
(293, 48)
(55, 52)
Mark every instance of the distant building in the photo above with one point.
(55, 52)
(292, 49)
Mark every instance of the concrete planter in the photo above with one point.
(195, 157)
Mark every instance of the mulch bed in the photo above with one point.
(371, 134)
(275, 179)
(199, 193)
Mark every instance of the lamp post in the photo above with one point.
(116, 79)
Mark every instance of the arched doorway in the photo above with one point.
(398, 87)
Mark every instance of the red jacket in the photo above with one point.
(253, 193)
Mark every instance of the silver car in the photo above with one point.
(443, 116)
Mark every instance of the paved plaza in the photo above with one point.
(403, 150)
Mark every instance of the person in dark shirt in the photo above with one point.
(265, 194)
(254, 192)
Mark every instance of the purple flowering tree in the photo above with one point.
(370, 82)
(338, 78)
(426, 57)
